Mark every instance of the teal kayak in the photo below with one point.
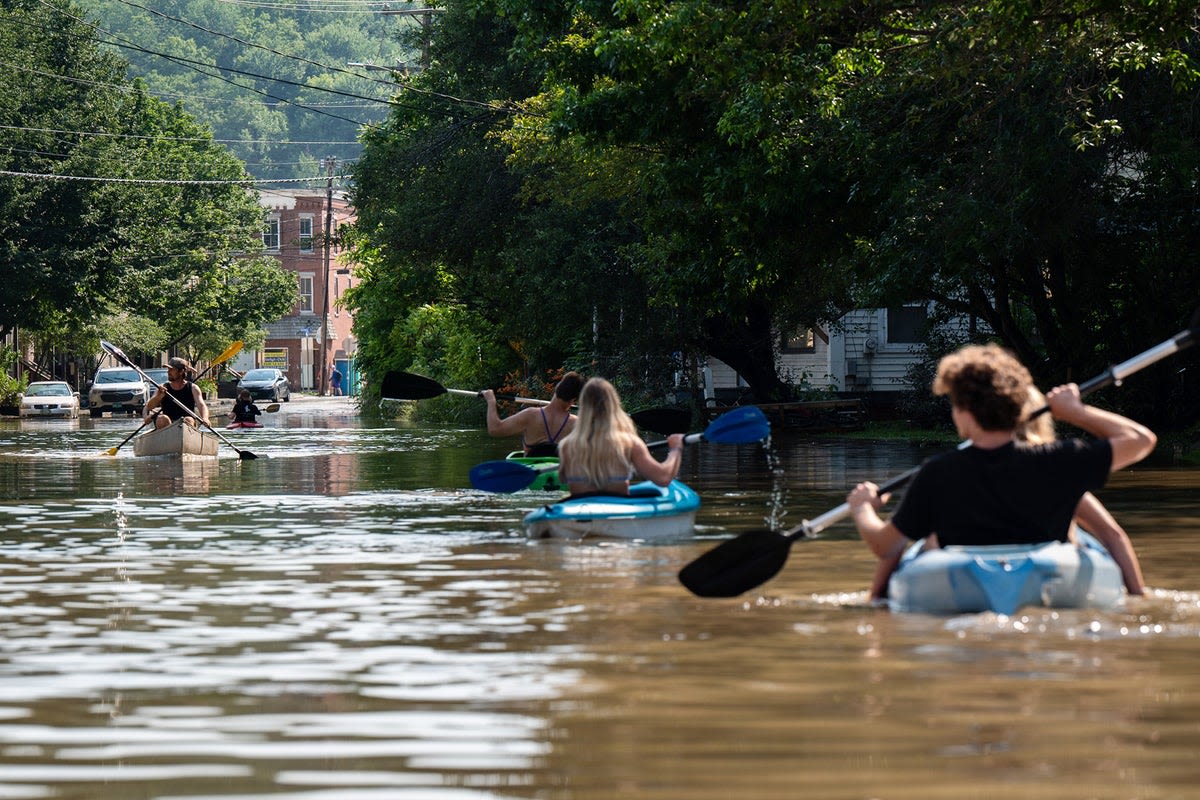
(1006, 578)
(648, 512)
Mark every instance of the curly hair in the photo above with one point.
(987, 381)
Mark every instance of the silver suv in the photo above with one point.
(117, 389)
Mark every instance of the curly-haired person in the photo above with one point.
(999, 489)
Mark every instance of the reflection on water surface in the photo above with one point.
(343, 618)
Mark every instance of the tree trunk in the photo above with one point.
(747, 344)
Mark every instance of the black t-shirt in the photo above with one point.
(245, 411)
(184, 395)
(1015, 494)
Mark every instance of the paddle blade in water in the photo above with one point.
(502, 476)
(663, 420)
(739, 426)
(738, 565)
(408, 386)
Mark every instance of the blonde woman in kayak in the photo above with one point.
(604, 452)
(999, 490)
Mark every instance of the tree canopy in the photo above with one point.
(114, 201)
(695, 176)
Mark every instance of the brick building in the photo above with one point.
(295, 234)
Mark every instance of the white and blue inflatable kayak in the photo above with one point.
(1005, 578)
(649, 512)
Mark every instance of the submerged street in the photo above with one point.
(343, 617)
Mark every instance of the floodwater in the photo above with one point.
(343, 619)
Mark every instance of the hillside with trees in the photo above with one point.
(272, 80)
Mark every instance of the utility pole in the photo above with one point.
(425, 20)
(329, 164)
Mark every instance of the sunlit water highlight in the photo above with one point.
(343, 618)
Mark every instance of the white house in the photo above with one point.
(866, 351)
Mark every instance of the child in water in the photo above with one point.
(244, 410)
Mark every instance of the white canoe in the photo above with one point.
(177, 439)
(649, 512)
(1005, 578)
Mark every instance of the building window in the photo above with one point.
(906, 324)
(306, 293)
(802, 340)
(271, 233)
(306, 237)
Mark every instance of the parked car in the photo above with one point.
(49, 399)
(267, 384)
(156, 374)
(117, 389)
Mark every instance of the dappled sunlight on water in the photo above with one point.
(343, 617)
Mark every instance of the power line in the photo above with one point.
(167, 138)
(164, 181)
(322, 6)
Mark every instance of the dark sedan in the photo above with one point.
(266, 384)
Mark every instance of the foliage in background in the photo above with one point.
(689, 178)
(10, 387)
(254, 72)
(445, 222)
(160, 251)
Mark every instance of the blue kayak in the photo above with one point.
(1005, 578)
(648, 512)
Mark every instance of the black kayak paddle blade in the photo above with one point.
(738, 565)
(663, 420)
(409, 386)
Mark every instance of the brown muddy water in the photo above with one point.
(343, 619)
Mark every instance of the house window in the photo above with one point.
(271, 233)
(802, 340)
(306, 237)
(306, 293)
(906, 324)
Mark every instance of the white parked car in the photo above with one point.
(49, 399)
(117, 389)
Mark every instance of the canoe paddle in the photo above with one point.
(228, 353)
(753, 558)
(740, 426)
(119, 355)
(410, 386)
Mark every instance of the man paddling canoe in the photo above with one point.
(998, 490)
(186, 393)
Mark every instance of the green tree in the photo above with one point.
(749, 166)
(116, 200)
(54, 247)
(445, 219)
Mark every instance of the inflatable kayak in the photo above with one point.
(235, 425)
(648, 512)
(1005, 578)
(547, 479)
